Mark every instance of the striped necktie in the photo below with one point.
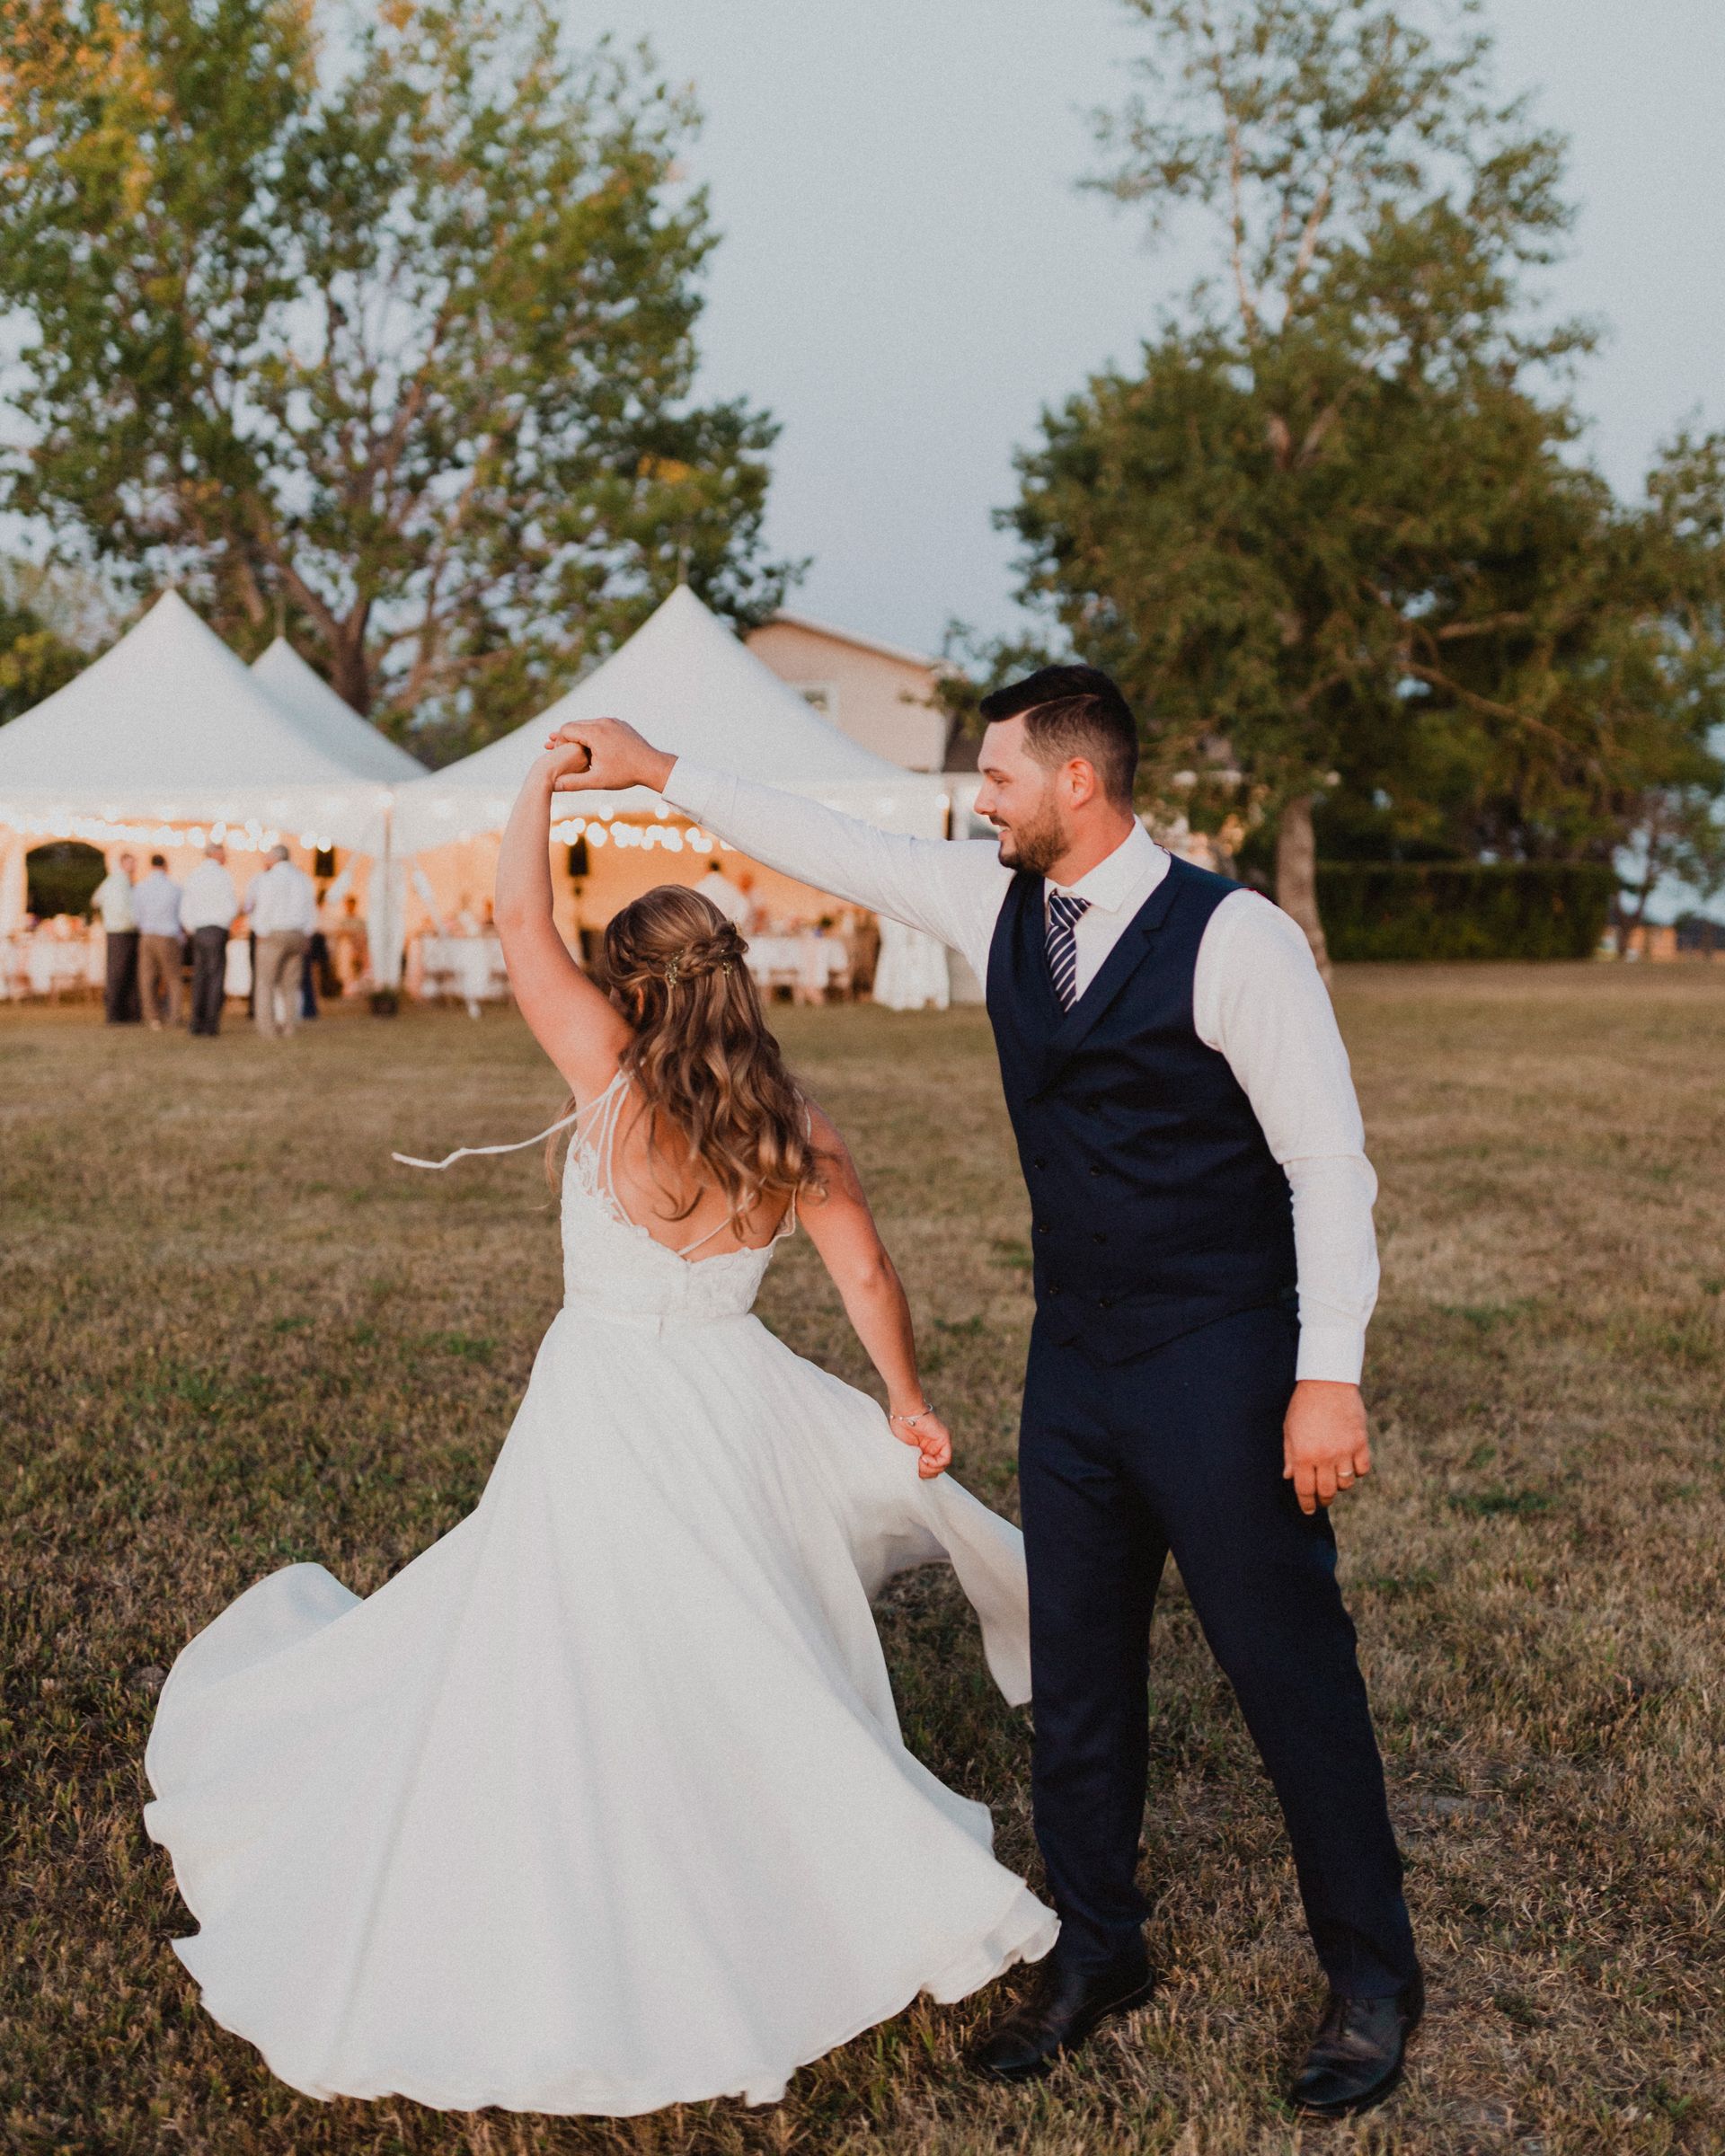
(1065, 913)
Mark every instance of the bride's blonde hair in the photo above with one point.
(703, 1058)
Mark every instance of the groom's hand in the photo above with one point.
(1324, 1444)
(616, 757)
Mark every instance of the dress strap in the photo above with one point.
(687, 1249)
(469, 1152)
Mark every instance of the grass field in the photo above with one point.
(234, 1335)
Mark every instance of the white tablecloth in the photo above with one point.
(469, 967)
(911, 971)
(810, 963)
(34, 963)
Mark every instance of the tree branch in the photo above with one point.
(1485, 705)
(1237, 221)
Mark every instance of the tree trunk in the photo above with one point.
(350, 670)
(1297, 875)
(1628, 923)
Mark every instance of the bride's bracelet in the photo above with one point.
(910, 1421)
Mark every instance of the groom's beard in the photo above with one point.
(1034, 845)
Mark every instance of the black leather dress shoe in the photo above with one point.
(1357, 2056)
(1066, 2007)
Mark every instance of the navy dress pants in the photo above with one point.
(209, 979)
(1181, 1450)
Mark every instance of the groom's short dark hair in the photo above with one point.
(1073, 711)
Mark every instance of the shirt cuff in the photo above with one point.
(1334, 1352)
(689, 787)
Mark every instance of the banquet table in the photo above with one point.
(37, 962)
(808, 964)
(912, 971)
(469, 967)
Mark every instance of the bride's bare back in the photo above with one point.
(644, 1166)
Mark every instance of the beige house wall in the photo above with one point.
(883, 699)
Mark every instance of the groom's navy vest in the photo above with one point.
(1157, 1203)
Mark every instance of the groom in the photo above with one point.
(1205, 1268)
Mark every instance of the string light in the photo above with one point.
(617, 831)
(250, 837)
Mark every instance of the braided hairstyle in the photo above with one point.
(702, 1056)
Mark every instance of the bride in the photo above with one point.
(601, 1803)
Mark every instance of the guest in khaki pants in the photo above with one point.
(156, 909)
(283, 906)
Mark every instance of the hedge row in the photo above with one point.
(1400, 910)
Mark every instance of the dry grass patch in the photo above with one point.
(233, 1335)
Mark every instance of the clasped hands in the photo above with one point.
(604, 755)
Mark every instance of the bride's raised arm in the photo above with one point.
(572, 1021)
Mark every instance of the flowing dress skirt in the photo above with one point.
(600, 1804)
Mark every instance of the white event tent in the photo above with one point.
(167, 738)
(686, 683)
(335, 725)
(694, 690)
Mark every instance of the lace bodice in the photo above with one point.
(612, 1262)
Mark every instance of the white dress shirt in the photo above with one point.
(113, 902)
(1258, 1000)
(155, 905)
(208, 899)
(732, 902)
(282, 900)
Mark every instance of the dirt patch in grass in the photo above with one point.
(233, 1335)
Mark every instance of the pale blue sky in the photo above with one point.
(907, 274)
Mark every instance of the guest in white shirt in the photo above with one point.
(113, 904)
(732, 901)
(283, 906)
(208, 905)
(156, 908)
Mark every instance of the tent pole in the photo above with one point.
(384, 1003)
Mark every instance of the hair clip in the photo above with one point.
(671, 971)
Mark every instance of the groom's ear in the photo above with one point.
(1080, 781)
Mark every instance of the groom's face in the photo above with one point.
(1021, 798)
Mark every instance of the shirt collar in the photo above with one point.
(1119, 877)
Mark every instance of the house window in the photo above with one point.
(823, 695)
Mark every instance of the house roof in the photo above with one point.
(860, 643)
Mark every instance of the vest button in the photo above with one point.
(1038, 1164)
(1098, 1238)
(1041, 1227)
(1104, 1302)
(1053, 1287)
(1095, 1167)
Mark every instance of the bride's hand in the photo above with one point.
(564, 764)
(930, 1436)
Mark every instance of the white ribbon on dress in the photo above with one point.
(470, 1153)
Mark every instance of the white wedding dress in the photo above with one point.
(600, 1804)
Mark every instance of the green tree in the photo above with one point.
(52, 623)
(393, 342)
(1333, 534)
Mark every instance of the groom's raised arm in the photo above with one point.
(949, 890)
